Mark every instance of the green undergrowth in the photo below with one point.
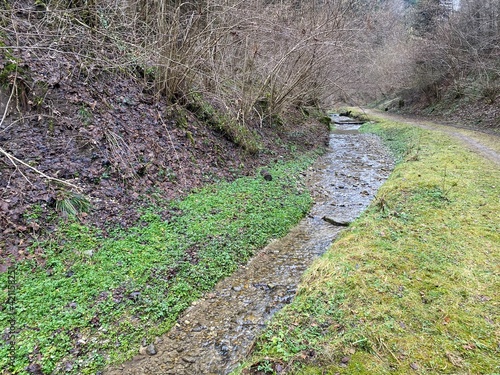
(413, 285)
(85, 299)
(9, 65)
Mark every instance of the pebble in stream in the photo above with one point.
(217, 332)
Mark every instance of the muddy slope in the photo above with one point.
(121, 149)
(217, 332)
(83, 113)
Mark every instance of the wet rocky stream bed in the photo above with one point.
(217, 332)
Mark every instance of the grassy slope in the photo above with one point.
(413, 286)
(93, 299)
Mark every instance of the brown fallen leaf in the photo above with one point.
(454, 359)
(469, 346)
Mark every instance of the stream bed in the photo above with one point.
(217, 332)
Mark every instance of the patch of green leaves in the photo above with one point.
(85, 299)
(85, 115)
(71, 204)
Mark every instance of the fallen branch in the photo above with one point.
(173, 148)
(15, 160)
(7, 106)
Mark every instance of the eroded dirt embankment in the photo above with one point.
(216, 332)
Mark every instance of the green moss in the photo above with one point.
(9, 64)
(234, 130)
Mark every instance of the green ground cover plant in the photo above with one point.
(91, 299)
(413, 285)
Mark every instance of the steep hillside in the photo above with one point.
(81, 140)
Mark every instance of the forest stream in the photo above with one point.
(217, 332)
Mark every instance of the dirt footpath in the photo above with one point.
(484, 144)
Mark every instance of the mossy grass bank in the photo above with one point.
(93, 299)
(413, 285)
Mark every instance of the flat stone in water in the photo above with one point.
(151, 350)
(337, 221)
(337, 119)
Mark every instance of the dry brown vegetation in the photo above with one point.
(461, 54)
(106, 100)
(250, 59)
(234, 64)
(430, 58)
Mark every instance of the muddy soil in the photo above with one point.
(119, 155)
(217, 332)
(109, 133)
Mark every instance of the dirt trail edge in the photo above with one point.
(487, 145)
(218, 331)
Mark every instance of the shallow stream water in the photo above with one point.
(217, 332)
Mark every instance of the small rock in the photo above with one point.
(267, 176)
(68, 366)
(151, 349)
(189, 359)
(134, 296)
(198, 328)
(34, 368)
(237, 288)
(345, 359)
(89, 253)
(336, 221)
